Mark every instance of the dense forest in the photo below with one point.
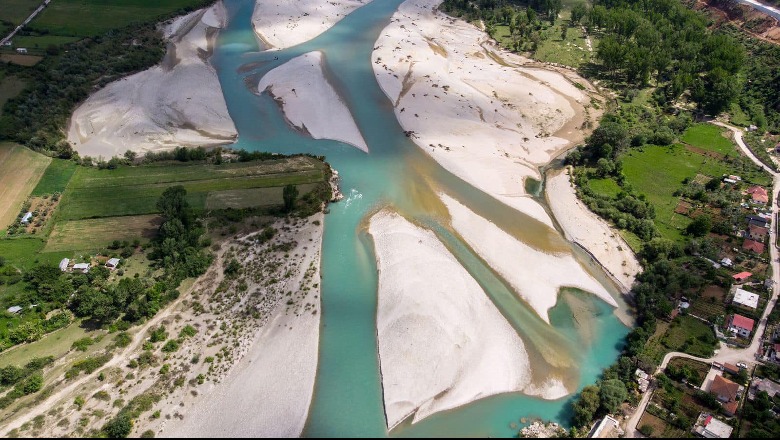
(655, 43)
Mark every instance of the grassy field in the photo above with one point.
(39, 43)
(709, 137)
(98, 233)
(20, 171)
(16, 11)
(658, 172)
(691, 336)
(604, 187)
(247, 198)
(87, 18)
(55, 344)
(10, 87)
(94, 193)
(22, 60)
(56, 177)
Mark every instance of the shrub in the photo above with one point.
(82, 344)
(187, 331)
(171, 346)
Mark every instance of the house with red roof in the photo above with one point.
(741, 325)
(758, 194)
(752, 245)
(742, 276)
(757, 233)
(725, 390)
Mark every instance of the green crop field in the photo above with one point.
(709, 137)
(658, 172)
(96, 193)
(20, 171)
(87, 18)
(691, 336)
(56, 177)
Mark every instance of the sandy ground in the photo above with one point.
(442, 342)
(590, 231)
(309, 101)
(537, 283)
(249, 370)
(177, 103)
(471, 106)
(281, 24)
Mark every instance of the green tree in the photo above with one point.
(118, 427)
(700, 226)
(612, 394)
(577, 12)
(586, 406)
(173, 204)
(289, 193)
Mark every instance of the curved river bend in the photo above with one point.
(396, 173)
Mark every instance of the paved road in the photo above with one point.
(766, 9)
(728, 354)
(29, 19)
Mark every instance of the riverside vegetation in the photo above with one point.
(668, 67)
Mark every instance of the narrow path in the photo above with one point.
(726, 354)
(25, 22)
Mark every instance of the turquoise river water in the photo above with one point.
(396, 173)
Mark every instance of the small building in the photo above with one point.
(21, 50)
(708, 426)
(15, 309)
(112, 263)
(752, 245)
(8, 43)
(751, 127)
(725, 390)
(745, 299)
(758, 194)
(757, 220)
(735, 178)
(608, 427)
(83, 267)
(731, 181)
(730, 409)
(643, 379)
(770, 387)
(730, 368)
(757, 233)
(64, 264)
(26, 218)
(726, 262)
(740, 325)
(742, 276)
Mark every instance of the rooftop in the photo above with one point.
(743, 322)
(752, 245)
(745, 298)
(742, 275)
(724, 389)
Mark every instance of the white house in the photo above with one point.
(84, 267)
(26, 218)
(14, 309)
(21, 50)
(8, 43)
(745, 299)
(710, 427)
(64, 264)
(112, 263)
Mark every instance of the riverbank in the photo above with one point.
(442, 342)
(590, 231)
(177, 103)
(309, 102)
(245, 354)
(281, 24)
(466, 103)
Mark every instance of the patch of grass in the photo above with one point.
(16, 11)
(709, 137)
(88, 18)
(689, 335)
(99, 233)
(10, 87)
(56, 177)
(39, 43)
(605, 187)
(20, 171)
(657, 172)
(55, 344)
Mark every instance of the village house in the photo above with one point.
(725, 390)
(740, 325)
(757, 233)
(752, 245)
(758, 194)
(608, 427)
(26, 218)
(741, 277)
(708, 426)
(83, 267)
(14, 310)
(112, 263)
(757, 220)
(726, 262)
(772, 388)
(643, 379)
(8, 43)
(21, 50)
(743, 298)
(64, 264)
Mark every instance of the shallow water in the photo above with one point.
(396, 173)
